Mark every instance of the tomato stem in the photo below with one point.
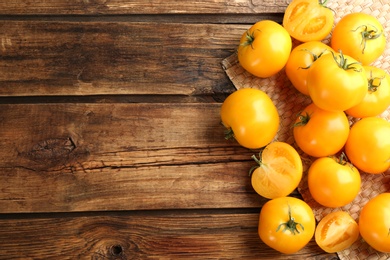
(367, 35)
(250, 37)
(229, 134)
(343, 159)
(314, 57)
(290, 225)
(258, 161)
(374, 83)
(343, 62)
(303, 119)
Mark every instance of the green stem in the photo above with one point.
(290, 225)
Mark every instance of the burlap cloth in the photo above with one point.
(290, 102)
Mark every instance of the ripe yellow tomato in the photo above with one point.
(360, 36)
(320, 133)
(333, 182)
(286, 224)
(377, 99)
(374, 222)
(336, 82)
(368, 145)
(336, 232)
(278, 172)
(250, 117)
(301, 59)
(308, 20)
(264, 48)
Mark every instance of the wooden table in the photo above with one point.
(111, 142)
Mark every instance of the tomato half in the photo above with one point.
(377, 99)
(286, 224)
(374, 222)
(336, 231)
(308, 20)
(301, 59)
(278, 172)
(333, 182)
(360, 36)
(319, 133)
(250, 117)
(368, 145)
(336, 82)
(264, 48)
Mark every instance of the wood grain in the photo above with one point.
(90, 157)
(85, 7)
(169, 235)
(46, 58)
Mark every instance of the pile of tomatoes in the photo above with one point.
(342, 83)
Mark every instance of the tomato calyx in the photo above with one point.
(374, 83)
(367, 35)
(343, 62)
(250, 38)
(303, 119)
(229, 134)
(343, 160)
(314, 56)
(290, 225)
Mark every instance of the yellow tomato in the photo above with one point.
(278, 172)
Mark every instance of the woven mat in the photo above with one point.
(290, 102)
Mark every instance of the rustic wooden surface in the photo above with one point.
(111, 145)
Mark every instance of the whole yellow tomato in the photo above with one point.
(368, 145)
(374, 222)
(250, 117)
(377, 99)
(264, 48)
(336, 82)
(320, 132)
(301, 59)
(333, 182)
(360, 36)
(286, 224)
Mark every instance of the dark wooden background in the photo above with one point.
(110, 135)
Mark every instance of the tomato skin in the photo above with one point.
(325, 132)
(264, 49)
(273, 216)
(279, 171)
(336, 231)
(336, 88)
(377, 99)
(332, 183)
(252, 116)
(374, 222)
(347, 37)
(300, 61)
(308, 20)
(368, 145)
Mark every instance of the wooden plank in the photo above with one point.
(90, 157)
(40, 58)
(63, 7)
(172, 235)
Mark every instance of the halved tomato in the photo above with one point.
(308, 20)
(337, 231)
(278, 172)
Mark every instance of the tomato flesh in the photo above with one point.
(308, 20)
(337, 231)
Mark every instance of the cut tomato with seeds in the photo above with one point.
(278, 172)
(308, 20)
(337, 231)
